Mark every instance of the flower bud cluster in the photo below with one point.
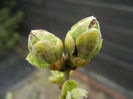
(83, 41)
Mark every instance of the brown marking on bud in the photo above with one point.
(52, 67)
(58, 65)
(32, 35)
(92, 23)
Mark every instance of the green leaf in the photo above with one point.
(44, 51)
(75, 25)
(44, 35)
(81, 27)
(97, 49)
(87, 43)
(68, 86)
(59, 49)
(32, 39)
(69, 44)
(36, 62)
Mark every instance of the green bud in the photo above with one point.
(45, 49)
(56, 77)
(83, 41)
(70, 90)
(79, 93)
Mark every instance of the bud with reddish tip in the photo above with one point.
(83, 41)
(46, 50)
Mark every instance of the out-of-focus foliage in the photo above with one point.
(9, 22)
(9, 95)
(56, 77)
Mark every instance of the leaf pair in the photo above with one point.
(70, 90)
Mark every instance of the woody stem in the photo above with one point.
(66, 75)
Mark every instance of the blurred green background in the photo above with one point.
(10, 19)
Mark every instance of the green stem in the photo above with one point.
(66, 75)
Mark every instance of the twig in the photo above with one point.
(66, 75)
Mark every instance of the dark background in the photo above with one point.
(113, 66)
